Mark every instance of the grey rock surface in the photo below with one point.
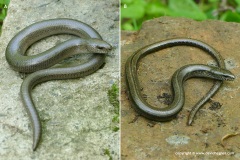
(76, 114)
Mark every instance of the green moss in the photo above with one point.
(107, 152)
(115, 119)
(3, 11)
(115, 129)
(113, 97)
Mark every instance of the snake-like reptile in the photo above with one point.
(165, 114)
(88, 41)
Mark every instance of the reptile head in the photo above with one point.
(223, 74)
(98, 46)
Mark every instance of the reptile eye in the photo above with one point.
(99, 47)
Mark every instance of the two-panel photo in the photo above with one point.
(119, 80)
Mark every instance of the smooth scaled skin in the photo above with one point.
(168, 113)
(89, 41)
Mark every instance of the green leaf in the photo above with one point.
(230, 16)
(127, 26)
(126, 1)
(186, 8)
(238, 2)
(2, 17)
(156, 9)
(238, 9)
(213, 1)
(4, 2)
(132, 11)
(210, 14)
